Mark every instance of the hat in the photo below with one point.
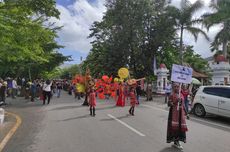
(132, 82)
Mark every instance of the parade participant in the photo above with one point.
(126, 91)
(92, 101)
(121, 97)
(133, 100)
(47, 91)
(177, 127)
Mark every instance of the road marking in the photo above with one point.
(11, 132)
(152, 107)
(126, 125)
(191, 118)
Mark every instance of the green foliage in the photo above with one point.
(221, 15)
(69, 73)
(27, 39)
(184, 20)
(131, 33)
(195, 60)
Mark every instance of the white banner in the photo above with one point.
(181, 74)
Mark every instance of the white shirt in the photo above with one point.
(47, 87)
(168, 89)
(14, 84)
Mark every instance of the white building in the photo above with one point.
(220, 70)
(162, 79)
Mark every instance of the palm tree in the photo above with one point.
(221, 15)
(184, 20)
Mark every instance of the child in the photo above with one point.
(133, 100)
(92, 102)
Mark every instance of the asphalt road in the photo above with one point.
(66, 126)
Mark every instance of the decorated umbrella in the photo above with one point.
(196, 81)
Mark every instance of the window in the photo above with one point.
(218, 91)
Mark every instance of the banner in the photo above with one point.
(181, 74)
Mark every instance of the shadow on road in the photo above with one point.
(74, 118)
(170, 149)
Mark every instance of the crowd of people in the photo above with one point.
(38, 89)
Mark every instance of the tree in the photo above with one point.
(130, 35)
(195, 60)
(184, 20)
(69, 73)
(27, 39)
(221, 15)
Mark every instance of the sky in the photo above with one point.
(77, 16)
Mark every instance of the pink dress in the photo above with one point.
(121, 99)
(92, 99)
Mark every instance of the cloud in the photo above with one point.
(202, 46)
(76, 20)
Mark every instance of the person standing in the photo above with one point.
(14, 88)
(92, 102)
(59, 88)
(133, 100)
(138, 91)
(149, 92)
(168, 90)
(47, 91)
(121, 97)
(33, 90)
(177, 128)
(3, 86)
(185, 93)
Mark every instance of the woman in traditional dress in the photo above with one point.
(92, 101)
(133, 100)
(121, 97)
(177, 127)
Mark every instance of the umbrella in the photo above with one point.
(195, 81)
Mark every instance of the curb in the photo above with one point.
(12, 130)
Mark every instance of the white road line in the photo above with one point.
(126, 125)
(152, 107)
(207, 122)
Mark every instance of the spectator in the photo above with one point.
(168, 90)
(47, 91)
(138, 92)
(149, 92)
(14, 88)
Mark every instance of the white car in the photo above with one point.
(213, 100)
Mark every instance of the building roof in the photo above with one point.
(199, 75)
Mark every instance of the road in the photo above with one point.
(66, 126)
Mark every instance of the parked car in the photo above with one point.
(213, 100)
